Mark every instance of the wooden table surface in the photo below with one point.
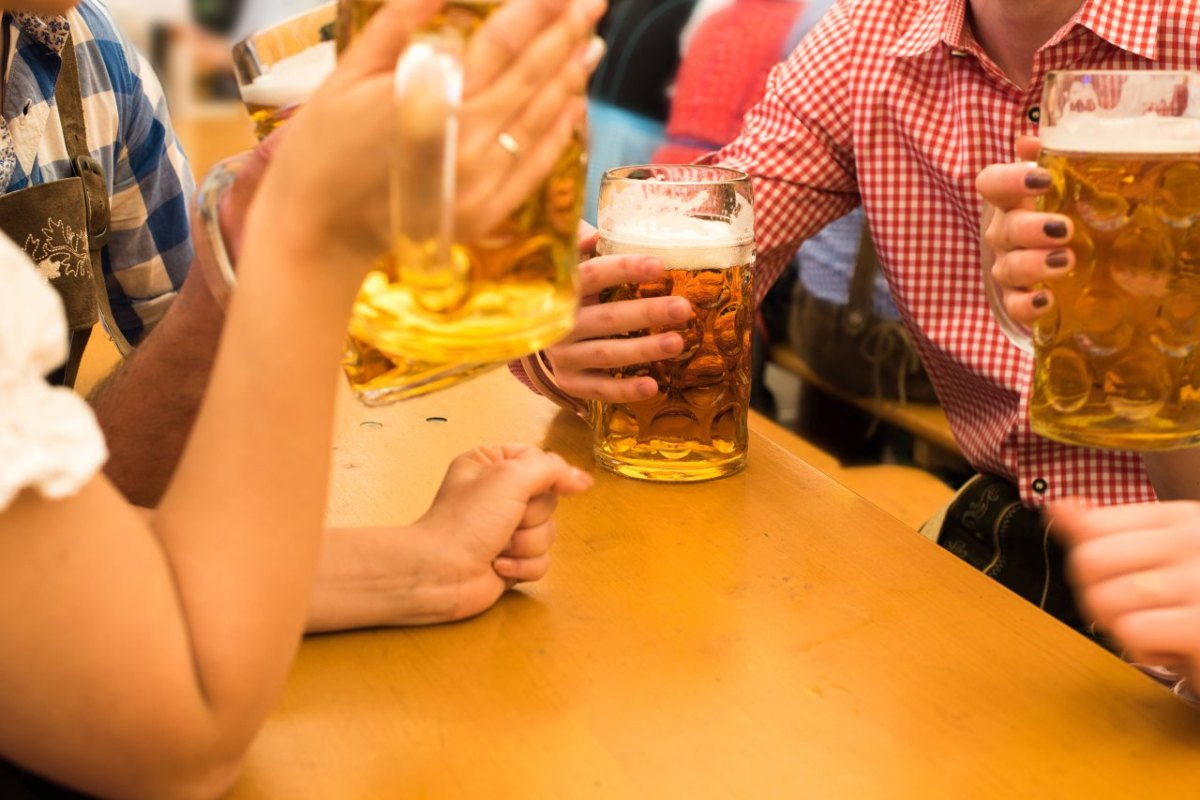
(766, 635)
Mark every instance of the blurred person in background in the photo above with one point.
(627, 98)
(110, 131)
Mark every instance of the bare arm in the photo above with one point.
(142, 657)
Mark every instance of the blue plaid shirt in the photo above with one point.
(128, 131)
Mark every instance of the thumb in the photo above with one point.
(378, 48)
(1028, 148)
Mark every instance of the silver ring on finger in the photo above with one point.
(509, 143)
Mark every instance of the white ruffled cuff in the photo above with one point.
(49, 441)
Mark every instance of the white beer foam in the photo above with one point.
(680, 242)
(294, 79)
(1149, 134)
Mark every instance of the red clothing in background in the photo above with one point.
(723, 74)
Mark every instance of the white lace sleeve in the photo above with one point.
(49, 439)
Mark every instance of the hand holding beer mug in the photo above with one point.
(459, 288)
(1117, 362)
(699, 221)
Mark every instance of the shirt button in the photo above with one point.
(1034, 114)
(1039, 485)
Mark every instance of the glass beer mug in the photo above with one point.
(279, 69)
(456, 304)
(699, 221)
(1117, 359)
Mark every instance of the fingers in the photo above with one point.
(1159, 634)
(1075, 523)
(517, 570)
(532, 541)
(514, 27)
(538, 510)
(594, 354)
(587, 238)
(1029, 230)
(1023, 268)
(379, 47)
(625, 316)
(604, 387)
(1028, 148)
(604, 272)
(527, 471)
(1010, 186)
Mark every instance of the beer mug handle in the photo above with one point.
(1019, 335)
(428, 99)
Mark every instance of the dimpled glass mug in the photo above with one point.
(699, 221)
(1117, 358)
(451, 306)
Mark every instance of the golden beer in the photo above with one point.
(695, 427)
(280, 68)
(1117, 358)
(272, 97)
(514, 290)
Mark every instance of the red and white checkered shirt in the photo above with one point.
(895, 102)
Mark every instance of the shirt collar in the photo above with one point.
(1131, 25)
(49, 31)
(940, 21)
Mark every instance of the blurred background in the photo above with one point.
(189, 44)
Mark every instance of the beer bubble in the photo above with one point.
(1142, 260)
(1102, 326)
(1098, 196)
(727, 333)
(707, 288)
(1138, 385)
(1068, 380)
(1179, 194)
(1175, 330)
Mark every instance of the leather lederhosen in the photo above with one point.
(62, 225)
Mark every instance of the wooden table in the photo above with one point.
(766, 635)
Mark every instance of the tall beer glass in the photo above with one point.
(699, 221)
(1117, 362)
(467, 302)
(279, 69)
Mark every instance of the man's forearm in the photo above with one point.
(147, 406)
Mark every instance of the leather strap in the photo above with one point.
(69, 98)
(860, 307)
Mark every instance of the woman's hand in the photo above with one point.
(524, 71)
(1136, 572)
(492, 522)
(1022, 246)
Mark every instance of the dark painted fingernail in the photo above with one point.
(1040, 300)
(1038, 179)
(1057, 229)
(1058, 258)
